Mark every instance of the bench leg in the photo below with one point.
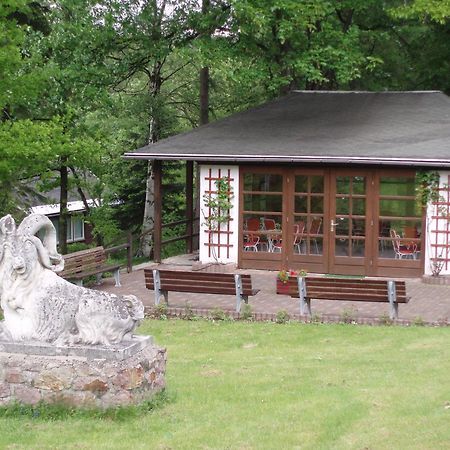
(239, 296)
(158, 291)
(117, 278)
(159, 294)
(98, 279)
(305, 302)
(392, 296)
(79, 283)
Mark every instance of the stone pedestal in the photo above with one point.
(81, 375)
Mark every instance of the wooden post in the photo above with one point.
(157, 195)
(189, 205)
(130, 252)
(204, 95)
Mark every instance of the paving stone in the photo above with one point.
(429, 303)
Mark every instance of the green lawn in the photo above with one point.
(268, 386)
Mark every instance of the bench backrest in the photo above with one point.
(350, 289)
(199, 282)
(83, 261)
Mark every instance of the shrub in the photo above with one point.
(218, 314)
(347, 315)
(246, 313)
(282, 316)
(160, 311)
(188, 313)
(386, 320)
(316, 318)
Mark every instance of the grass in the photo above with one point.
(234, 385)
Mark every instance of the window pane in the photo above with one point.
(359, 185)
(397, 186)
(263, 182)
(342, 226)
(358, 247)
(359, 207)
(317, 205)
(358, 227)
(78, 229)
(301, 204)
(69, 229)
(301, 183)
(342, 205)
(261, 202)
(399, 208)
(343, 185)
(317, 184)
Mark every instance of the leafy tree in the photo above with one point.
(306, 45)
(435, 10)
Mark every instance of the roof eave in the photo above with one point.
(292, 159)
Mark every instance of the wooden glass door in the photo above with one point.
(306, 240)
(350, 227)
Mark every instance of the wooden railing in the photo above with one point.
(188, 236)
(128, 246)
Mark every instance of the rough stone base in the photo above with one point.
(98, 378)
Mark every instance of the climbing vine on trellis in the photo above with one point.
(427, 187)
(219, 204)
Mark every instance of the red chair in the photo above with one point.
(402, 247)
(314, 230)
(299, 229)
(275, 242)
(251, 240)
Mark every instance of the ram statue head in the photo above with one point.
(24, 249)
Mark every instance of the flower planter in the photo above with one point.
(282, 288)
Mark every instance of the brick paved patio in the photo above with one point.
(429, 303)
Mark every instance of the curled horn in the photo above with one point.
(7, 226)
(48, 253)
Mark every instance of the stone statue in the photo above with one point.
(38, 305)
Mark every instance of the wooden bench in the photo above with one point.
(79, 265)
(350, 289)
(163, 281)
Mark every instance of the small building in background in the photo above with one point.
(78, 230)
(325, 182)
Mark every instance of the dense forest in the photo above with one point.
(83, 81)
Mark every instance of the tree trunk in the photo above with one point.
(63, 212)
(146, 241)
(204, 95)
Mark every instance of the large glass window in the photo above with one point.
(400, 219)
(263, 208)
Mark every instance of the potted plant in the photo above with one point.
(283, 281)
(283, 276)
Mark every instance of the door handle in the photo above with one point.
(332, 225)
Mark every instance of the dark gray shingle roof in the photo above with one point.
(317, 126)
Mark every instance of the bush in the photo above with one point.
(386, 320)
(218, 314)
(347, 315)
(282, 316)
(160, 311)
(188, 313)
(246, 313)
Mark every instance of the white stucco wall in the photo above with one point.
(441, 224)
(222, 255)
